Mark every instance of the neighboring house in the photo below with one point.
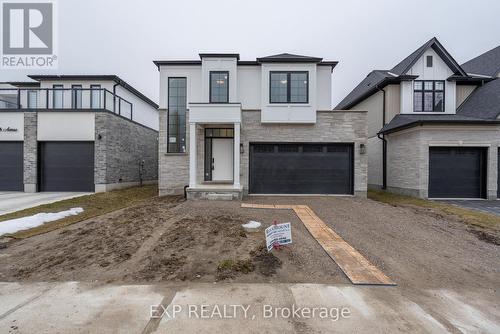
(433, 126)
(76, 133)
(231, 127)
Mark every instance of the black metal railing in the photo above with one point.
(64, 99)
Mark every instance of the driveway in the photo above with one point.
(492, 207)
(15, 201)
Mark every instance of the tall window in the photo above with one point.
(289, 87)
(32, 99)
(95, 96)
(177, 105)
(57, 96)
(428, 96)
(219, 87)
(76, 96)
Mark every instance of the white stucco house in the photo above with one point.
(433, 125)
(230, 127)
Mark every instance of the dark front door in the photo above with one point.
(66, 166)
(457, 172)
(289, 168)
(11, 166)
(498, 174)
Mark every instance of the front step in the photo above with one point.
(214, 194)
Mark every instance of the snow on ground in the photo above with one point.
(18, 224)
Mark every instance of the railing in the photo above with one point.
(64, 99)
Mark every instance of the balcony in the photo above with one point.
(59, 99)
(215, 112)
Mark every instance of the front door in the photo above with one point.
(222, 159)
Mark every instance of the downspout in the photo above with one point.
(384, 143)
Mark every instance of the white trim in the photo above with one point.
(236, 155)
(192, 155)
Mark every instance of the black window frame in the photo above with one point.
(94, 88)
(434, 91)
(57, 88)
(288, 87)
(178, 146)
(429, 61)
(74, 96)
(210, 86)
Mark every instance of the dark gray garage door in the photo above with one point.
(11, 166)
(457, 172)
(284, 168)
(66, 166)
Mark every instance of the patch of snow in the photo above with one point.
(25, 223)
(251, 226)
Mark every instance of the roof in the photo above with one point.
(23, 83)
(381, 78)
(289, 58)
(405, 121)
(487, 64)
(106, 77)
(279, 58)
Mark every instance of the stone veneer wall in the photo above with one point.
(30, 152)
(119, 152)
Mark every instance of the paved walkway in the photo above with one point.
(15, 201)
(243, 308)
(492, 207)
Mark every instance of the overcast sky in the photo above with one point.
(123, 36)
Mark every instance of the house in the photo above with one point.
(76, 133)
(230, 127)
(433, 125)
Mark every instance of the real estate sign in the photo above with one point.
(279, 234)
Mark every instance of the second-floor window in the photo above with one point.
(76, 96)
(219, 87)
(57, 96)
(289, 87)
(95, 96)
(428, 96)
(177, 106)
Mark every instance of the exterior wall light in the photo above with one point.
(242, 150)
(362, 149)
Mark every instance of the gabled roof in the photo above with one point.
(380, 78)
(98, 77)
(288, 58)
(487, 64)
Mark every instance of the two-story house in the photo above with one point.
(433, 125)
(76, 133)
(230, 127)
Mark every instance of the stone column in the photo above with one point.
(30, 148)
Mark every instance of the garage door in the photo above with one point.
(11, 166)
(284, 168)
(457, 172)
(66, 166)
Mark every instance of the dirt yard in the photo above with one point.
(170, 240)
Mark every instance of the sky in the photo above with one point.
(123, 36)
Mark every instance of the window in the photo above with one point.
(57, 96)
(429, 61)
(177, 105)
(32, 99)
(95, 96)
(289, 87)
(219, 87)
(428, 96)
(76, 96)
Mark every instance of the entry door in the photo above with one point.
(222, 155)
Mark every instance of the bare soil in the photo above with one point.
(170, 240)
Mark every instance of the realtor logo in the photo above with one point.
(28, 34)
